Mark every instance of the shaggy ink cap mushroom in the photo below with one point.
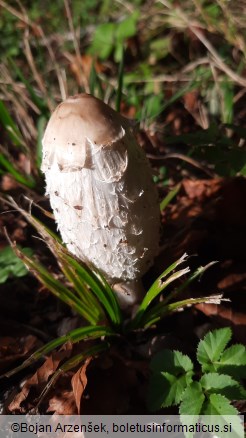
(100, 186)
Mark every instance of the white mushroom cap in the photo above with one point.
(101, 189)
(74, 121)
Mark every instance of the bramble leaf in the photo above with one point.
(222, 384)
(172, 373)
(218, 404)
(211, 347)
(173, 362)
(233, 361)
(192, 400)
(191, 405)
(167, 389)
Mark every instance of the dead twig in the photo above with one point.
(182, 157)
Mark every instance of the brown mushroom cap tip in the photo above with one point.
(82, 117)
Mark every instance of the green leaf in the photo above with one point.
(172, 372)
(192, 400)
(234, 355)
(160, 47)
(166, 389)
(220, 406)
(171, 361)
(11, 265)
(233, 361)
(4, 273)
(211, 347)
(222, 384)
(191, 405)
(152, 106)
(127, 28)
(176, 96)
(104, 39)
(213, 11)
(175, 387)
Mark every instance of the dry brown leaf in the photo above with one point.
(226, 316)
(233, 279)
(38, 381)
(62, 403)
(12, 349)
(79, 382)
(85, 62)
(201, 189)
(8, 183)
(191, 101)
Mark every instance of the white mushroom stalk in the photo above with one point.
(101, 191)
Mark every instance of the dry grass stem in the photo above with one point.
(84, 81)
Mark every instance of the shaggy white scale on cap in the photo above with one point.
(101, 191)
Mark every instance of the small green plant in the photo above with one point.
(206, 391)
(11, 265)
(111, 36)
(218, 147)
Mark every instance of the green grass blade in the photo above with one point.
(19, 177)
(158, 312)
(197, 273)
(79, 334)
(56, 287)
(120, 81)
(166, 201)
(157, 287)
(159, 309)
(101, 290)
(76, 360)
(40, 103)
(92, 79)
(80, 286)
(111, 297)
(104, 293)
(42, 121)
(174, 98)
(167, 271)
(99, 287)
(10, 126)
